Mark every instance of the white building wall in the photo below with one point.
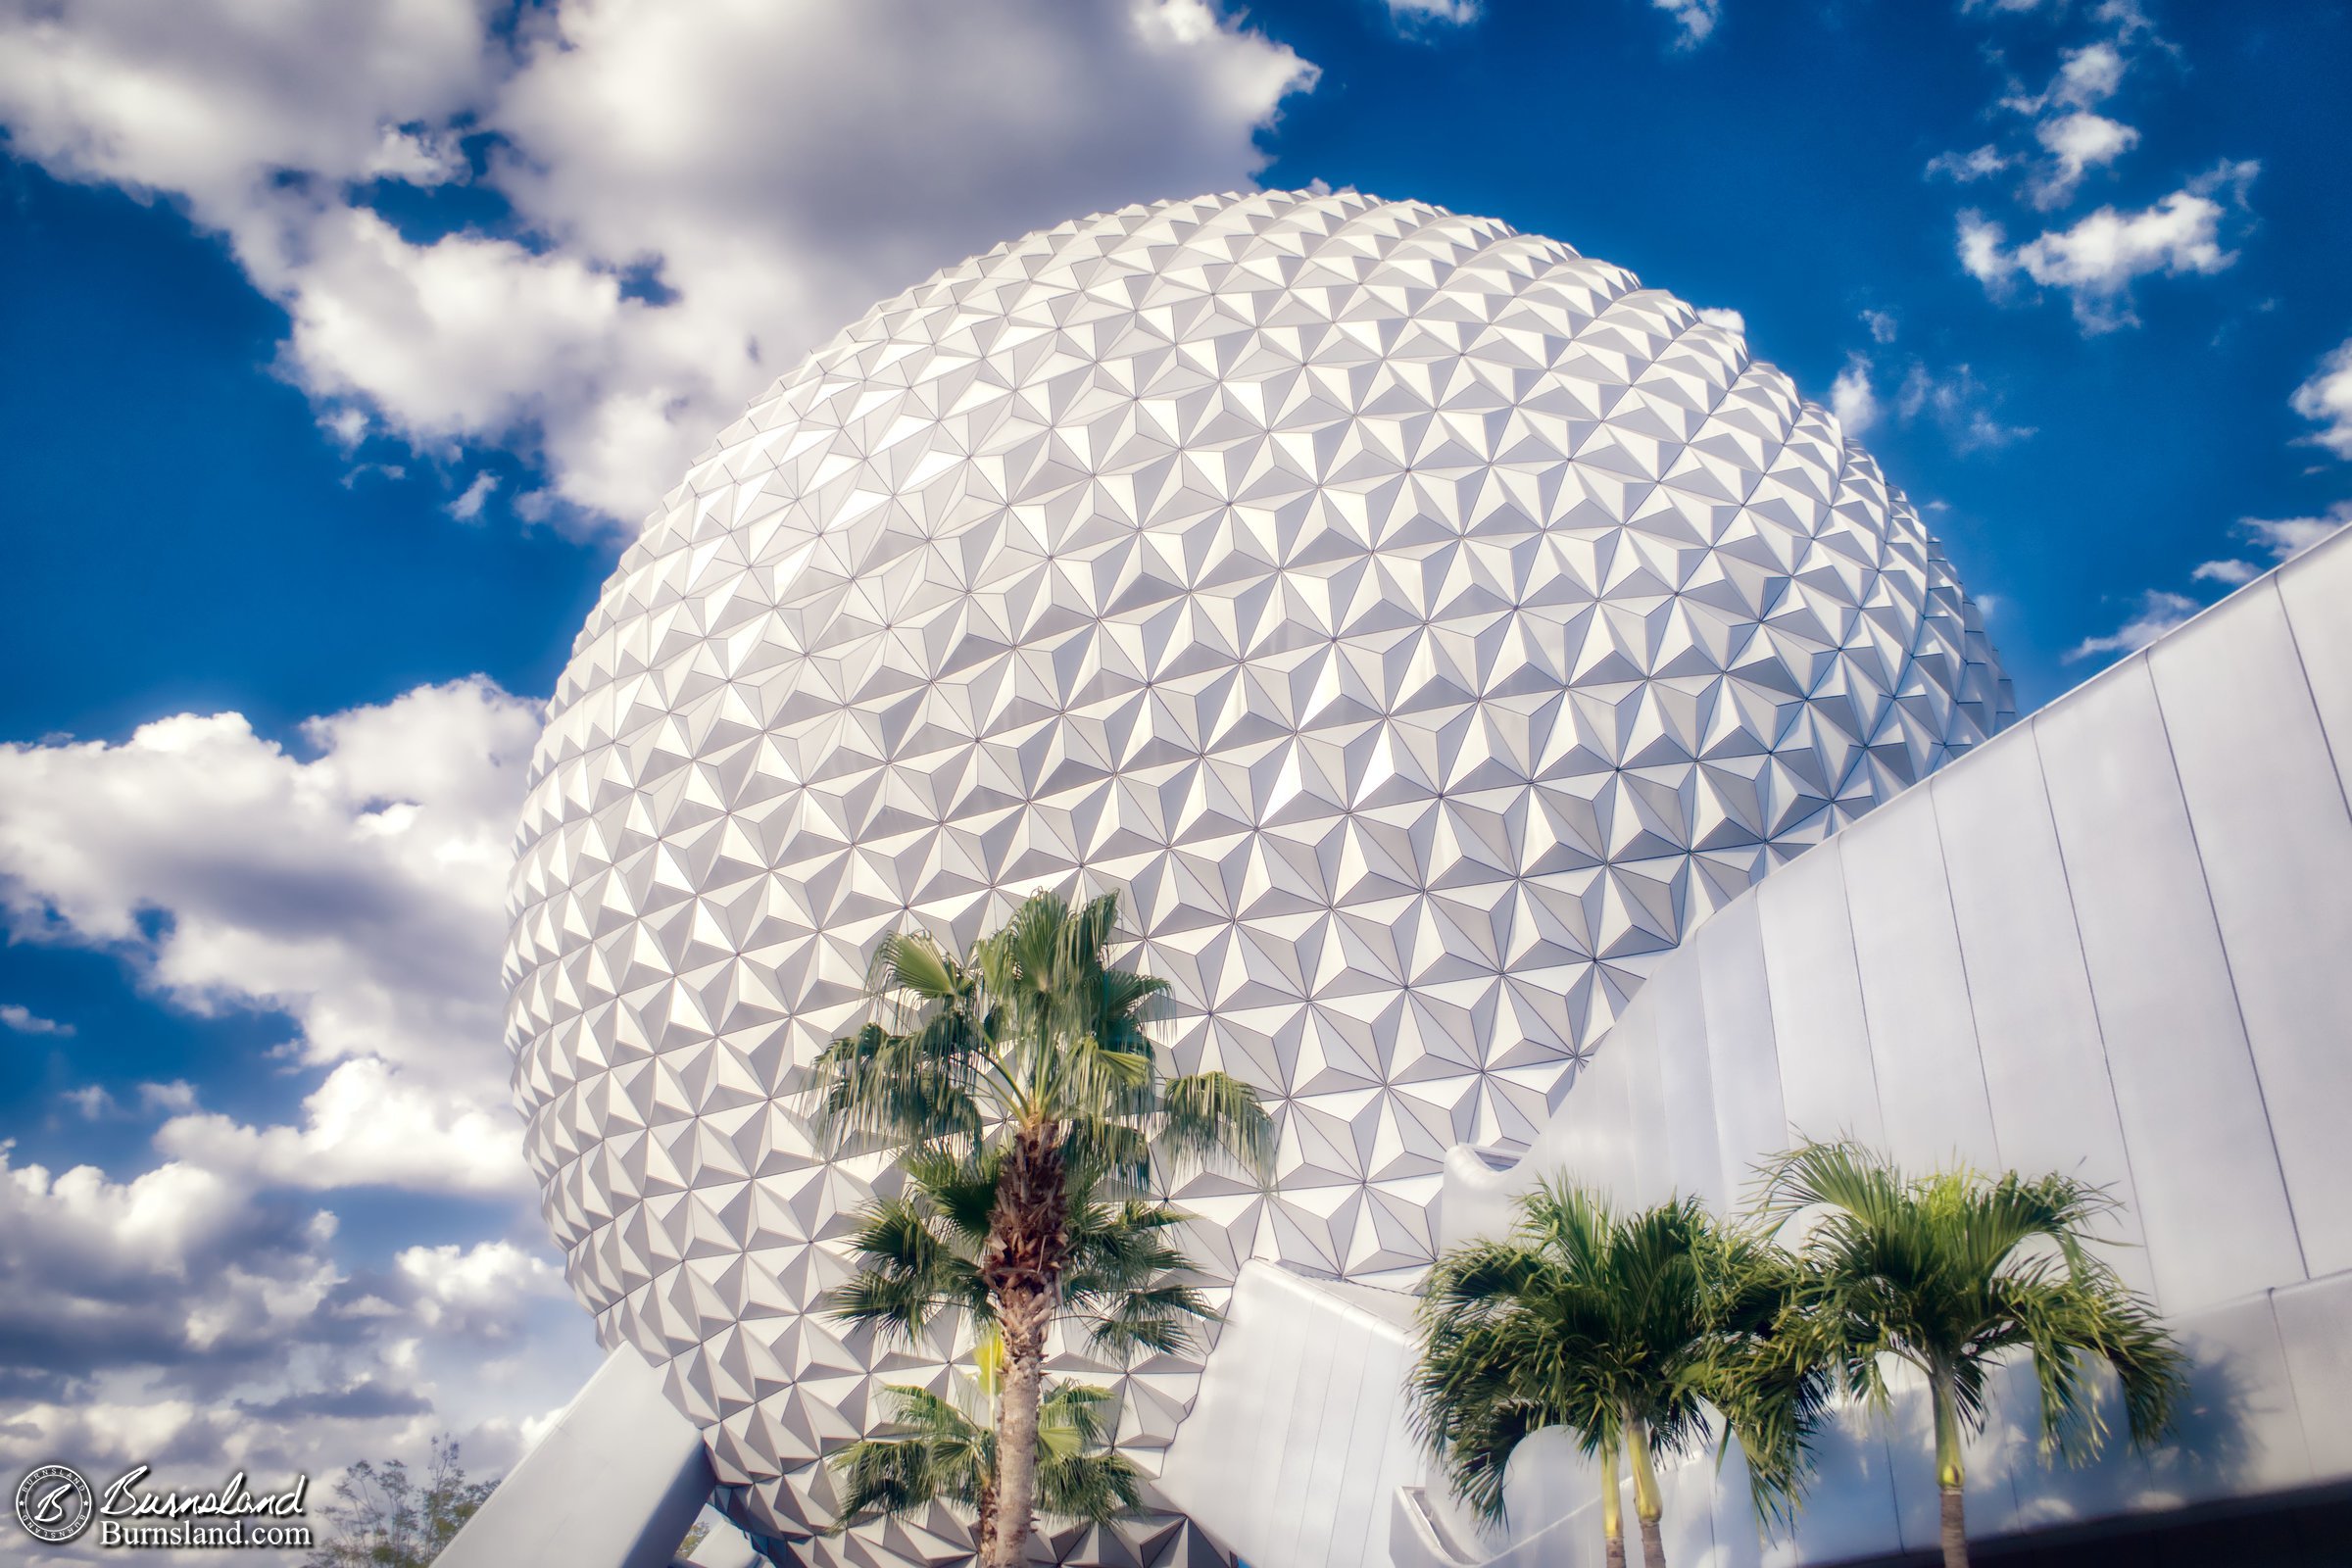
(2116, 941)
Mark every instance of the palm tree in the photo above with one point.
(922, 1253)
(1031, 1054)
(949, 1451)
(1949, 1272)
(1625, 1330)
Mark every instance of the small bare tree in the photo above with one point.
(384, 1517)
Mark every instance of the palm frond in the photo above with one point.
(943, 1454)
(1208, 1117)
(909, 1269)
(896, 1088)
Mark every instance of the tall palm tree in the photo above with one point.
(1031, 1050)
(1951, 1271)
(949, 1451)
(1624, 1329)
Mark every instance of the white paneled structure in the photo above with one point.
(1425, 626)
(2112, 942)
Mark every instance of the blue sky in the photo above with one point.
(343, 350)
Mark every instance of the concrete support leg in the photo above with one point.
(614, 1484)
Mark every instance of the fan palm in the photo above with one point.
(1625, 1330)
(948, 1451)
(1951, 1271)
(1031, 1056)
(922, 1253)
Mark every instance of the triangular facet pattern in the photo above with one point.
(1425, 625)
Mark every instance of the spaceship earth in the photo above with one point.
(1425, 626)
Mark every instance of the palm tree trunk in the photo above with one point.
(1016, 1431)
(1022, 1268)
(1951, 1476)
(984, 1532)
(1612, 1509)
(1954, 1529)
(1648, 1505)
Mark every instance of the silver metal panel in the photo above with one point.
(1296, 1442)
(1548, 1485)
(2277, 844)
(2239, 1433)
(1694, 1158)
(1995, 1457)
(1596, 1135)
(614, 1484)
(1687, 1526)
(1851, 1509)
(2211, 1198)
(1735, 990)
(1649, 1175)
(1475, 1199)
(1911, 1459)
(2317, 588)
(2037, 1033)
(1829, 1086)
(2314, 1332)
(1914, 992)
(1223, 1463)
(1381, 1456)
(1301, 1532)
(1738, 1543)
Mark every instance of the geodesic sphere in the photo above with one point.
(1424, 626)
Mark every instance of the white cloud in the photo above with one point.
(91, 1101)
(1694, 20)
(1981, 254)
(204, 1315)
(1423, 13)
(2158, 613)
(214, 101)
(1959, 404)
(360, 892)
(2127, 18)
(746, 160)
(1729, 320)
(1882, 324)
(24, 1022)
(370, 1124)
(2327, 401)
(185, 1320)
(469, 505)
(2077, 142)
(1851, 397)
(2285, 538)
(1980, 163)
(2098, 259)
(2279, 538)
(475, 1289)
(177, 1095)
(2086, 76)
(87, 1262)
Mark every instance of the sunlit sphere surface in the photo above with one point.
(1424, 626)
